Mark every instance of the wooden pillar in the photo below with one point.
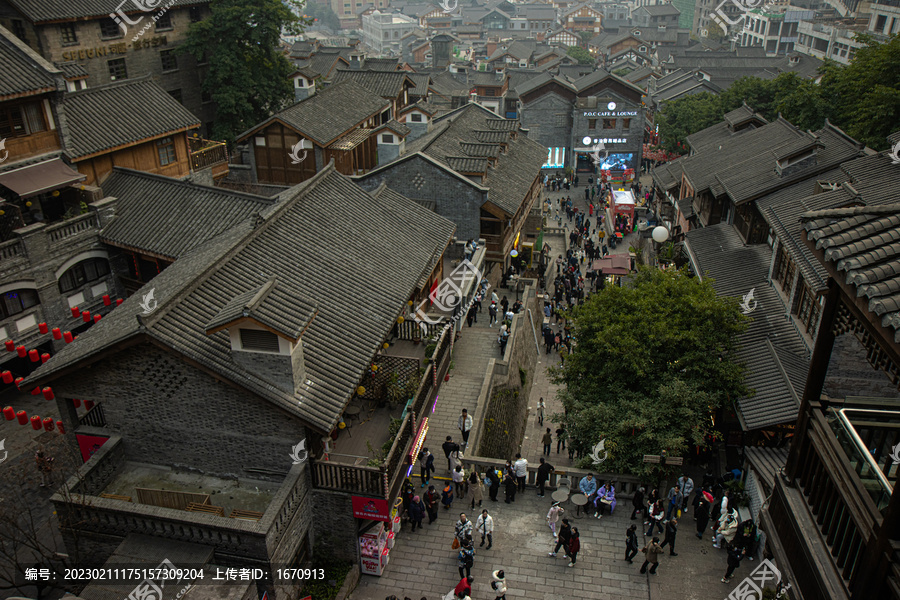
(815, 378)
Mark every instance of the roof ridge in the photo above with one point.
(166, 179)
(111, 85)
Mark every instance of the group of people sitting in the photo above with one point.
(598, 498)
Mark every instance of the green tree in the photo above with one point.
(581, 55)
(248, 75)
(680, 118)
(586, 36)
(651, 361)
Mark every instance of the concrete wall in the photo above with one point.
(419, 179)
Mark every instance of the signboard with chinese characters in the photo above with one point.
(610, 113)
(374, 509)
(117, 48)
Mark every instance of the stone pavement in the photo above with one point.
(422, 563)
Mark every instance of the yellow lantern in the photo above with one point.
(28, 204)
(55, 193)
(341, 424)
(2, 212)
(360, 390)
(82, 188)
(385, 345)
(400, 319)
(409, 303)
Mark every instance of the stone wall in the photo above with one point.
(503, 403)
(548, 120)
(335, 532)
(850, 374)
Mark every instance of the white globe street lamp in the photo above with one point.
(660, 234)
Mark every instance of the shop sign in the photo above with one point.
(117, 48)
(374, 509)
(616, 113)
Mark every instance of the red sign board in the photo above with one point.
(88, 444)
(374, 509)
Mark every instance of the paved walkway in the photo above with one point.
(422, 563)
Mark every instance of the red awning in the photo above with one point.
(40, 178)
(615, 264)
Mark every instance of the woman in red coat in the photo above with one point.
(574, 546)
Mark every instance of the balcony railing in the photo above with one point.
(94, 417)
(209, 156)
(72, 227)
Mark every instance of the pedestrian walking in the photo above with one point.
(510, 483)
(521, 466)
(686, 485)
(447, 497)
(471, 315)
(44, 465)
(416, 512)
(631, 543)
(547, 440)
(540, 408)
(669, 540)
(638, 502)
(499, 584)
(494, 487)
(652, 550)
(464, 587)
(563, 537)
(431, 504)
(485, 526)
(574, 547)
(702, 512)
(463, 530)
(464, 424)
(459, 480)
(675, 500)
(476, 486)
(561, 430)
(492, 313)
(503, 339)
(553, 517)
(735, 554)
(449, 447)
(657, 512)
(426, 465)
(465, 559)
(543, 475)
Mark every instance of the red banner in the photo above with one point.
(374, 509)
(89, 444)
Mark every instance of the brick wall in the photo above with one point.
(850, 374)
(336, 535)
(151, 397)
(549, 120)
(454, 198)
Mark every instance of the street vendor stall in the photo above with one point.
(623, 204)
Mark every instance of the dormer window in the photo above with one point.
(259, 341)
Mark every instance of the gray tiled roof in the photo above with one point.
(661, 9)
(771, 348)
(324, 61)
(72, 70)
(387, 84)
(863, 245)
(422, 81)
(381, 64)
(57, 10)
(101, 118)
(711, 136)
(271, 306)
(166, 217)
(330, 113)
(288, 244)
(22, 71)
(466, 164)
(397, 127)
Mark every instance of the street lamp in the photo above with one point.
(660, 234)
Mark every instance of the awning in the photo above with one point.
(351, 140)
(616, 264)
(40, 178)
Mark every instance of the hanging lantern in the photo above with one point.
(400, 319)
(89, 404)
(59, 425)
(341, 424)
(22, 417)
(10, 346)
(9, 413)
(119, 301)
(86, 316)
(48, 424)
(48, 393)
(36, 391)
(34, 355)
(360, 390)
(42, 327)
(385, 345)
(96, 318)
(22, 351)
(57, 334)
(67, 336)
(29, 204)
(76, 312)
(7, 377)
(55, 193)
(76, 402)
(45, 357)
(19, 380)
(409, 303)
(106, 300)
(36, 423)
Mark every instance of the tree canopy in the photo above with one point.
(248, 74)
(581, 55)
(651, 361)
(862, 98)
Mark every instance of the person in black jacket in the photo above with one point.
(562, 540)
(702, 513)
(671, 532)
(416, 512)
(449, 447)
(511, 486)
(543, 474)
(495, 483)
(735, 554)
(638, 502)
(631, 543)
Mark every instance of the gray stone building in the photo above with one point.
(131, 45)
(235, 347)
(659, 15)
(570, 118)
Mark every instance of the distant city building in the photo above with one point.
(382, 31)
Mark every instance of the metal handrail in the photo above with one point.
(867, 456)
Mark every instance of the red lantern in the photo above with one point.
(89, 404)
(44, 357)
(48, 393)
(76, 312)
(57, 334)
(68, 337)
(119, 301)
(22, 417)
(36, 391)
(9, 413)
(36, 423)
(96, 318)
(59, 425)
(34, 355)
(19, 380)
(86, 316)
(42, 327)
(76, 402)
(48, 424)
(7, 377)
(22, 351)
(106, 300)
(10, 346)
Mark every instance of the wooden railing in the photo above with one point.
(208, 156)
(348, 478)
(72, 227)
(94, 417)
(409, 329)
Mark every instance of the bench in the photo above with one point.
(246, 515)
(206, 508)
(116, 497)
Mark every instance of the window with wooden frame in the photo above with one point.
(808, 308)
(166, 149)
(67, 34)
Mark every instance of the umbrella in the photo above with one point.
(619, 234)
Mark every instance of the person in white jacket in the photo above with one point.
(485, 526)
(553, 517)
(499, 584)
(464, 424)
